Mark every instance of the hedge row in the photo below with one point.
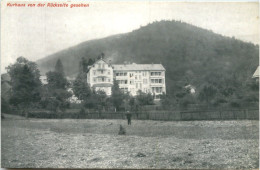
(152, 115)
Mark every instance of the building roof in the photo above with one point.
(138, 67)
(256, 74)
(101, 59)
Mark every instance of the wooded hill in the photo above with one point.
(190, 55)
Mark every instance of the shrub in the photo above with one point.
(121, 130)
(5, 108)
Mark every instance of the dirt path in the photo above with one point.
(95, 144)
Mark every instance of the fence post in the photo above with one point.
(234, 117)
(147, 115)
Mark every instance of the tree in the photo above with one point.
(101, 99)
(144, 99)
(81, 87)
(25, 83)
(117, 95)
(59, 67)
(132, 103)
(101, 56)
(207, 93)
(167, 101)
(56, 94)
(83, 65)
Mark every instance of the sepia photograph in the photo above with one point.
(129, 84)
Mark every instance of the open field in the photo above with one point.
(83, 143)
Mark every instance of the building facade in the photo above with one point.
(149, 78)
(100, 76)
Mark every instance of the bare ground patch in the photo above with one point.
(69, 143)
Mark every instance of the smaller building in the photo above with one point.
(100, 76)
(73, 98)
(43, 79)
(191, 89)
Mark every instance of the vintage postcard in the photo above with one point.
(129, 84)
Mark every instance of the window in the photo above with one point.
(103, 79)
(145, 81)
(136, 77)
(131, 82)
(124, 89)
(94, 72)
(155, 73)
(121, 74)
(94, 79)
(108, 80)
(99, 65)
(103, 65)
(139, 77)
(122, 81)
(108, 72)
(102, 71)
(157, 81)
(157, 89)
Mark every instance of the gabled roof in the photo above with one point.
(256, 74)
(101, 59)
(138, 67)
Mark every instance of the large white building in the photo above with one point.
(149, 78)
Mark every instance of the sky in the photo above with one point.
(38, 32)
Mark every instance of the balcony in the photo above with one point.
(100, 69)
(102, 76)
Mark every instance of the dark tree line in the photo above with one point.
(27, 91)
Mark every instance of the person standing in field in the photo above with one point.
(128, 116)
